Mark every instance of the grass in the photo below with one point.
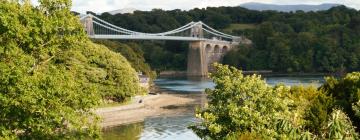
(233, 27)
(113, 104)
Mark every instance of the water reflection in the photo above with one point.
(295, 80)
(159, 128)
(184, 84)
(124, 132)
(169, 128)
(198, 84)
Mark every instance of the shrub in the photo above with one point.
(109, 72)
(346, 93)
(133, 53)
(317, 114)
(339, 127)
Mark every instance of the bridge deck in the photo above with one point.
(146, 37)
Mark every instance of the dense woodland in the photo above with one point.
(324, 41)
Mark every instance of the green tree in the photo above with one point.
(280, 58)
(52, 75)
(40, 99)
(346, 93)
(245, 104)
(133, 53)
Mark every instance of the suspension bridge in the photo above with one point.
(207, 45)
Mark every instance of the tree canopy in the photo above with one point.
(245, 107)
(52, 75)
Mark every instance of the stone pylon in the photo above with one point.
(202, 54)
(197, 31)
(88, 25)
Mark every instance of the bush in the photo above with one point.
(339, 127)
(133, 53)
(317, 113)
(346, 93)
(109, 72)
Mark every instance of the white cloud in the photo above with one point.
(99, 6)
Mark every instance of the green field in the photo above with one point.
(233, 27)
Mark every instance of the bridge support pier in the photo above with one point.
(202, 54)
(196, 59)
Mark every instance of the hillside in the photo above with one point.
(322, 41)
(288, 8)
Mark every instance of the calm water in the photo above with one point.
(175, 128)
(186, 84)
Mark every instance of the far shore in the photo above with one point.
(259, 72)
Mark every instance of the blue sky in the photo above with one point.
(99, 6)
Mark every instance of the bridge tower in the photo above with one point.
(202, 54)
(197, 31)
(88, 25)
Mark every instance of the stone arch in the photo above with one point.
(208, 48)
(225, 49)
(217, 49)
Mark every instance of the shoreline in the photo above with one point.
(165, 103)
(260, 72)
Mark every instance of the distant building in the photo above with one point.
(144, 80)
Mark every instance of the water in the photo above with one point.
(169, 128)
(186, 84)
(175, 128)
(160, 128)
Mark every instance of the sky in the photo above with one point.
(99, 6)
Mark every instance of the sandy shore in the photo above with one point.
(162, 104)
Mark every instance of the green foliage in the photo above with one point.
(47, 104)
(339, 127)
(52, 76)
(356, 108)
(238, 57)
(318, 112)
(40, 99)
(242, 104)
(109, 72)
(133, 53)
(346, 93)
(245, 106)
(169, 55)
(239, 27)
(303, 98)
